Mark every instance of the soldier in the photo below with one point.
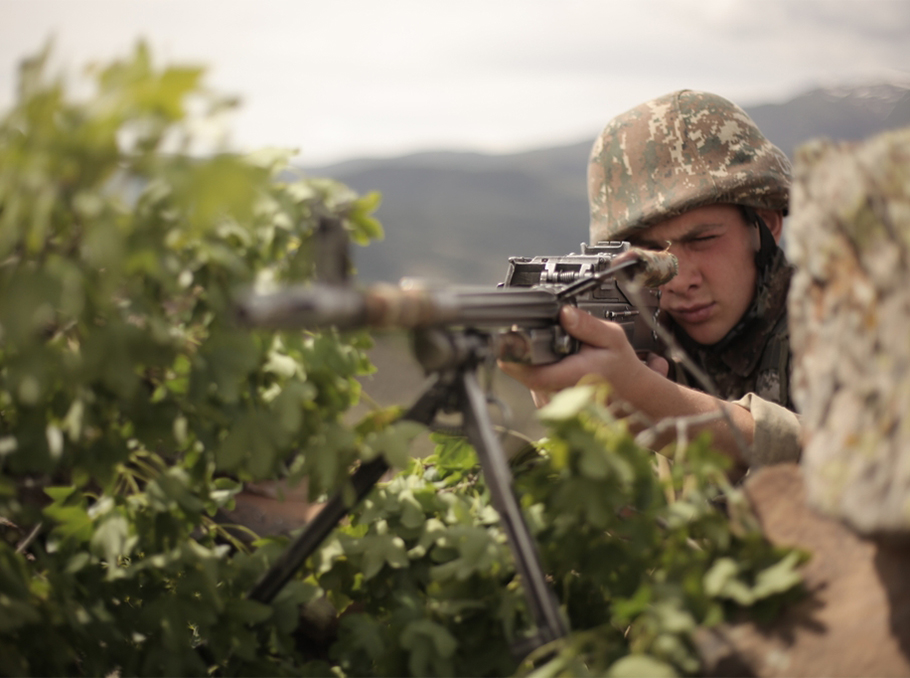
(692, 173)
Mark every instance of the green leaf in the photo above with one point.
(73, 522)
(722, 581)
(272, 159)
(61, 494)
(393, 443)
(15, 614)
(249, 440)
(367, 632)
(780, 577)
(412, 514)
(594, 463)
(454, 457)
(430, 645)
(380, 550)
(172, 490)
(111, 540)
(229, 358)
(721, 572)
(566, 404)
(641, 666)
(673, 618)
(365, 227)
(248, 611)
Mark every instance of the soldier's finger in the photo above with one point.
(658, 363)
(589, 330)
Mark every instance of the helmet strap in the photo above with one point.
(767, 245)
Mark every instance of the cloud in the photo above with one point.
(813, 19)
(359, 77)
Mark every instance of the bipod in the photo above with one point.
(453, 358)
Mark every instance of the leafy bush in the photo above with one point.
(132, 407)
(131, 404)
(638, 561)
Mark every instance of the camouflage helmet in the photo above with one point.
(680, 151)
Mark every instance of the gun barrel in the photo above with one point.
(312, 306)
(505, 307)
(385, 306)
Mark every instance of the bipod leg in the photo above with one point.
(363, 480)
(479, 429)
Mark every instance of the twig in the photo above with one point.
(514, 433)
(24, 544)
(650, 435)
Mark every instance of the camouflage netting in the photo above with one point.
(849, 237)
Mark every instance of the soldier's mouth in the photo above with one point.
(695, 314)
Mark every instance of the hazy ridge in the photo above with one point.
(457, 217)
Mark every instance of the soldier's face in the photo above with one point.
(717, 274)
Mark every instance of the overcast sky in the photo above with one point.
(347, 78)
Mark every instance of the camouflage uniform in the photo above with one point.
(686, 150)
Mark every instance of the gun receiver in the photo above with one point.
(599, 281)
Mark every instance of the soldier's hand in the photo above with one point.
(658, 364)
(605, 352)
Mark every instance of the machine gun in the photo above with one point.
(455, 331)
(521, 316)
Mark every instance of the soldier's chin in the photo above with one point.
(704, 333)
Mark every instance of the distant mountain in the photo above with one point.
(457, 217)
(847, 114)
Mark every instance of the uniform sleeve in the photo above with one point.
(777, 432)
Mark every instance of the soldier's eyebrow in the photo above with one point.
(698, 231)
(694, 233)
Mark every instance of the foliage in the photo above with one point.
(132, 407)
(638, 561)
(131, 404)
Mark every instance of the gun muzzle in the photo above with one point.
(316, 306)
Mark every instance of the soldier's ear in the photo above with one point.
(774, 221)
